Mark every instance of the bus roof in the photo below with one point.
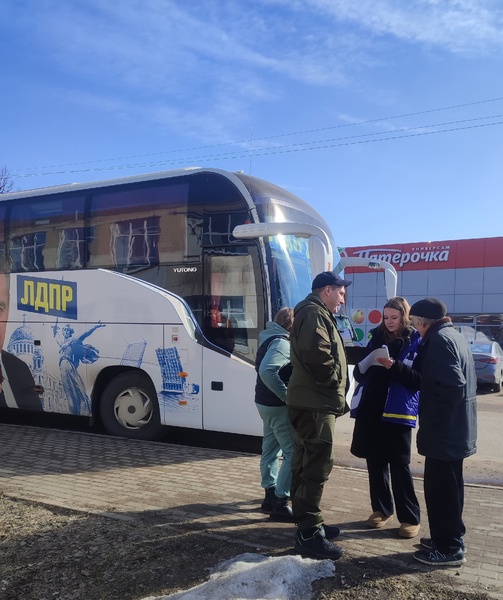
(72, 187)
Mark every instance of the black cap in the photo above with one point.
(429, 308)
(328, 278)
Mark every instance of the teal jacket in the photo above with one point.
(319, 378)
(276, 358)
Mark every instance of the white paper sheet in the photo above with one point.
(370, 360)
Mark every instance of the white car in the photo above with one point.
(488, 357)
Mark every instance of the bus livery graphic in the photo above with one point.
(48, 296)
(72, 352)
(133, 354)
(171, 369)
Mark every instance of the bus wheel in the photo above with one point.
(129, 407)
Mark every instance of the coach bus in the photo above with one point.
(138, 301)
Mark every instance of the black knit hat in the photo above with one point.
(429, 308)
(329, 278)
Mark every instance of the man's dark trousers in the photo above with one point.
(312, 464)
(444, 496)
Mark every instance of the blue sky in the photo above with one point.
(385, 115)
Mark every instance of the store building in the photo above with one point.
(466, 274)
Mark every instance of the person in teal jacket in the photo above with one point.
(273, 373)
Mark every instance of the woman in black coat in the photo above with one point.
(384, 419)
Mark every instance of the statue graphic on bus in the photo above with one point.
(72, 352)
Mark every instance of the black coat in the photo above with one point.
(448, 396)
(372, 437)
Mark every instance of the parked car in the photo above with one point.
(488, 357)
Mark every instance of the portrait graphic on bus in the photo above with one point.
(17, 386)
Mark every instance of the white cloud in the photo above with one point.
(459, 26)
(205, 66)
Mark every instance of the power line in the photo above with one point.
(240, 142)
(394, 131)
(283, 149)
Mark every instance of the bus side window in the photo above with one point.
(47, 233)
(141, 227)
(26, 244)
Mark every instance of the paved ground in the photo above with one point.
(172, 485)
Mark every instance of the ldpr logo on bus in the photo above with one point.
(47, 296)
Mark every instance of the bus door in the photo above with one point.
(233, 317)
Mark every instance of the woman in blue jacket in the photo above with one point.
(273, 373)
(384, 419)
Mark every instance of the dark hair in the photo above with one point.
(403, 307)
(284, 317)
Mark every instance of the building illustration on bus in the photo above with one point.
(139, 300)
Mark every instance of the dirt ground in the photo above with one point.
(49, 553)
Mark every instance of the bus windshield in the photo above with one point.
(290, 264)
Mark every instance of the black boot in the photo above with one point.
(281, 511)
(268, 503)
(313, 543)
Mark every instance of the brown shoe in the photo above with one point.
(408, 531)
(378, 520)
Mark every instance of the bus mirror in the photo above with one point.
(318, 239)
(318, 256)
(390, 274)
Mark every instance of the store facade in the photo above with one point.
(466, 274)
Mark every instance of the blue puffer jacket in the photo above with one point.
(402, 403)
(399, 400)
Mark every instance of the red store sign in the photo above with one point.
(450, 254)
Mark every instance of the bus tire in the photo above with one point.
(129, 407)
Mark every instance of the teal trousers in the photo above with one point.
(277, 442)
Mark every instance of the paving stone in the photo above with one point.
(220, 491)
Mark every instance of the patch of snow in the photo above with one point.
(258, 577)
